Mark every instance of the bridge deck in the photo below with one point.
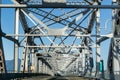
(55, 78)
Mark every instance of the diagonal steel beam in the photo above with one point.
(63, 21)
(30, 15)
(24, 22)
(75, 28)
(9, 38)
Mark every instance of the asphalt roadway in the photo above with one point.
(55, 78)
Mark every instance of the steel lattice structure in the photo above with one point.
(60, 35)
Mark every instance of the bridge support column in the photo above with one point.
(97, 44)
(51, 72)
(40, 66)
(46, 69)
(36, 62)
(16, 49)
(33, 61)
(115, 71)
(27, 60)
(43, 67)
(83, 62)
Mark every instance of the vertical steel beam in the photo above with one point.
(29, 63)
(77, 61)
(40, 66)
(111, 60)
(113, 63)
(83, 61)
(43, 67)
(36, 63)
(27, 59)
(24, 55)
(33, 60)
(16, 47)
(97, 44)
(115, 74)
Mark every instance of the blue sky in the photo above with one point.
(8, 27)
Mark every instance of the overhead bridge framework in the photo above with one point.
(60, 6)
(59, 37)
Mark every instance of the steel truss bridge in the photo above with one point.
(59, 37)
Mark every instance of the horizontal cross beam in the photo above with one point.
(78, 46)
(59, 6)
(72, 35)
